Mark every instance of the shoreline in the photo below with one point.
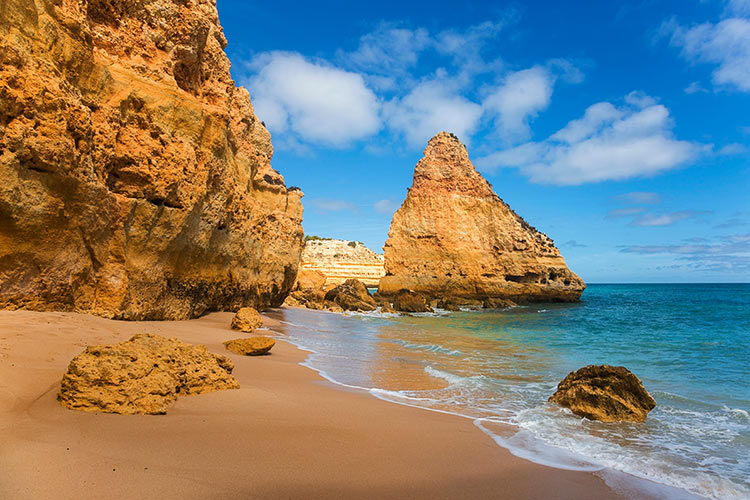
(286, 433)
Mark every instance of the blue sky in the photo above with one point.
(621, 128)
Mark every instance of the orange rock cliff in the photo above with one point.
(453, 237)
(135, 179)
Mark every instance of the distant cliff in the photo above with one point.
(453, 237)
(340, 260)
(135, 179)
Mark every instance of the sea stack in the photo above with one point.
(454, 238)
(135, 179)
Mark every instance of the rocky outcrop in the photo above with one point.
(606, 393)
(247, 319)
(352, 295)
(251, 346)
(409, 301)
(340, 260)
(454, 237)
(142, 375)
(135, 179)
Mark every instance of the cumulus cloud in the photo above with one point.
(607, 143)
(389, 51)
(430, 107)
(314, 101)
(521, 96)
(725, 44)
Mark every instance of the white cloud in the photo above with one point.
(387, 50)
(521, 96)
(330, 205)
(386, 206)
(733, 149)
(739, 7)
(639, 198)
(726, 44)
(429, 108)
(694, 88)
(607, 143)
(654, 220)
(316, 102)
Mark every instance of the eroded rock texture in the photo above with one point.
(135, 179)
(251, 346)
(454, 237)
(606, 393)
(143, 375)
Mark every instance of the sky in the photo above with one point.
(621, 129)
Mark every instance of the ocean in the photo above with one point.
(688, 343)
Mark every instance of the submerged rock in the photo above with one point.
(498, 303)
(352, 295)
(410, 301)
(247, 319)
(453, 236)
(606, 393)
(251, 346)
(135, 178)
(142, 375)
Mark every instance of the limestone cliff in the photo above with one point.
(454, 237)
(135, 179)
(340, 260)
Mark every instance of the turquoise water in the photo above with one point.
(690, 344)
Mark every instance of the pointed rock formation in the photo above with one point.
(135, 179)
(453, 237)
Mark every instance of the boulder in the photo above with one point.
(308, 279)
(135, 178)
(453, 236)
(410, 301)
(352, 295)
(386, 308)
(247, 319)
(606, 393)
(143, 375)
(251, 346)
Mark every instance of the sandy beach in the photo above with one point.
(287, 433)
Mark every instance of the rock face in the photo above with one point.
(340, 260)
(606, 393)
(247, 319)
(252, 346)
(454, 237)
(352, 295)
(135, 179)
(142, 375)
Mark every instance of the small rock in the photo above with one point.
(246, 320)
(409, 301)
(251, 346)
(606, 393)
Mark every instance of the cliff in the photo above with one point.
(135, 179)
(453, 237)
(340, 260)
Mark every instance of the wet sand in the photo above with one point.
(286, 433)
